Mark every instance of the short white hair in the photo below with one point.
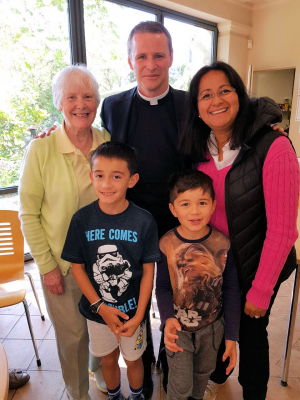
(74, 74)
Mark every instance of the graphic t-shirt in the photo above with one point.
(113, 249)
(190, 275)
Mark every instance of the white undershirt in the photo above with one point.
(154, 100)
(228, 154)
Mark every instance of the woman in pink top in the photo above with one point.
(256, 179)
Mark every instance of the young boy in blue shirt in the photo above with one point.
(113, 245)
(196, 280)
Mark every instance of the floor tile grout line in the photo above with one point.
(13, 326)
(160, 391)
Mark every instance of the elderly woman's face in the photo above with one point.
(79, 106)
(218, 103)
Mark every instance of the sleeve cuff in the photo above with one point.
(231, 336)
(48, 267)
(258, 298)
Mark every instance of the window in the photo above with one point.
(34, 46)
(107, 27)
(192, 46)
(40, 37)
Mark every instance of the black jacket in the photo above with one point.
(244, 197)
(115, 112)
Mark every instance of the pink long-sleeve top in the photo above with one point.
(281, 191)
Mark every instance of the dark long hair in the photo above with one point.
(194, 136)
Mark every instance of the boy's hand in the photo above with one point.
(128, 328)
(253, 311)
(111, 317)
(172, 325)
(231, 353)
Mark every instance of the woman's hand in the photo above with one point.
(111, 317)
(128, 328)
(172, 325)
(230, 352)
(54, 281)
(254, 311)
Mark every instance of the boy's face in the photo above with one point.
(111, 178)
(193, 208)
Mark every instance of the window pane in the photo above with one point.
(34, 45)
(107, 27)
(9, 201)
(192, 49)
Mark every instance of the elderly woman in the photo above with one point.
(54, 184)
(256, 179)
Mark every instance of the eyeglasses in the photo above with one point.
(222, 93)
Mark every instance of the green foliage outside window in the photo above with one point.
(34, 45)
(34, 48)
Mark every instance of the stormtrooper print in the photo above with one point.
(111, 272)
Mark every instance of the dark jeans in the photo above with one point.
(219, 374)
(148, 355)
(254, 366)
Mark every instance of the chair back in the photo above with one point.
(11, 247)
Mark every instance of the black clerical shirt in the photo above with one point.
(153, 131)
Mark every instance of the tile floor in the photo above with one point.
(46, 381)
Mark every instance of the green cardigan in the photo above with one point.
(48, 199)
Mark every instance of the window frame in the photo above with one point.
(8, 190)
(76, 22)
(77, 33)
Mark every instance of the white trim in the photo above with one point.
(225, 28)
(254, 5)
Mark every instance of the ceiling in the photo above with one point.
(255, 4)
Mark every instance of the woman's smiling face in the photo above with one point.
(79, 106)
(218, 112)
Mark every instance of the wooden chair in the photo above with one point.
(12, 282)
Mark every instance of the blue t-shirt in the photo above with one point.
(113, 249)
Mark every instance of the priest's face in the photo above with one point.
(150, 59)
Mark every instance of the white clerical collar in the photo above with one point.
(154, 100)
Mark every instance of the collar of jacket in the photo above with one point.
(266, 112)
(121, 111)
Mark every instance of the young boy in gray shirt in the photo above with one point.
(196, 285)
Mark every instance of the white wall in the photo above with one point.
(211, 10)
(232, 48)
(276, 45)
